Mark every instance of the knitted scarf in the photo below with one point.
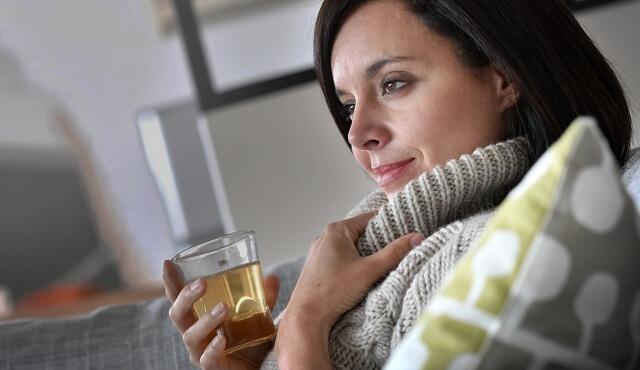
(450, 205)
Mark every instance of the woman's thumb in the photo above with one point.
(390, 256)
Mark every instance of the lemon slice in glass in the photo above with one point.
(247, 307)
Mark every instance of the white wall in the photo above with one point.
(102, 61)
(20, 103)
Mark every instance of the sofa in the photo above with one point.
(121, 336)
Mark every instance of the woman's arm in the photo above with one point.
(333, 280)
(301, 344)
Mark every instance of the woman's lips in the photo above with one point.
(389, 173)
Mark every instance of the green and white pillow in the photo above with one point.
(554, 282)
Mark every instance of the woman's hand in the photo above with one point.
(333, 280)
(203, 352)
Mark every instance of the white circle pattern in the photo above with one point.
(602, 212)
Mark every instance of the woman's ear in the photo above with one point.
(507, 92)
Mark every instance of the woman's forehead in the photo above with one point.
(374, 22)
(379, 31)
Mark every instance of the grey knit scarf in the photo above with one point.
(450, 205)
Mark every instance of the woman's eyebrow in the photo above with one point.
(340, 93)
(374, 68)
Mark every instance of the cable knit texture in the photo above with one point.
(451, 205)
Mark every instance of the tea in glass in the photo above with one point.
(248, 319)
(231, 268)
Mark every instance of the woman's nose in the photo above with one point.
(367, 130)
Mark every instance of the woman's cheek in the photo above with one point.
(364, 161)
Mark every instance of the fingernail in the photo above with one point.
(416, 240)
(217, 341)
(196, 284)
(216, 310)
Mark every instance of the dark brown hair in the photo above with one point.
(537, 44)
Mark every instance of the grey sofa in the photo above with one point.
(126, 336)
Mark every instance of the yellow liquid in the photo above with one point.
(249, 320)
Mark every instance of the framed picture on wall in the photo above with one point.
(204, 9)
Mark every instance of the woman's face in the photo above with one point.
(413, 104)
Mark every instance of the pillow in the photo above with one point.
(554, 281)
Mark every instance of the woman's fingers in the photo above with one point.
(271, 290)
(205, 325)
(390, 256)
(211, 355)
(357, 224)
(205, 347)
(172, 283)
(198, 337)
(181, 313)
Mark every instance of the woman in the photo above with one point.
(415, 87)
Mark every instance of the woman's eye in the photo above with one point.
(350, 108)
(392, 86)
(347, 111)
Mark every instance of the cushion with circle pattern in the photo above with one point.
(553, 283)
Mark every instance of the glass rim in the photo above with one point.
(186, 254)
